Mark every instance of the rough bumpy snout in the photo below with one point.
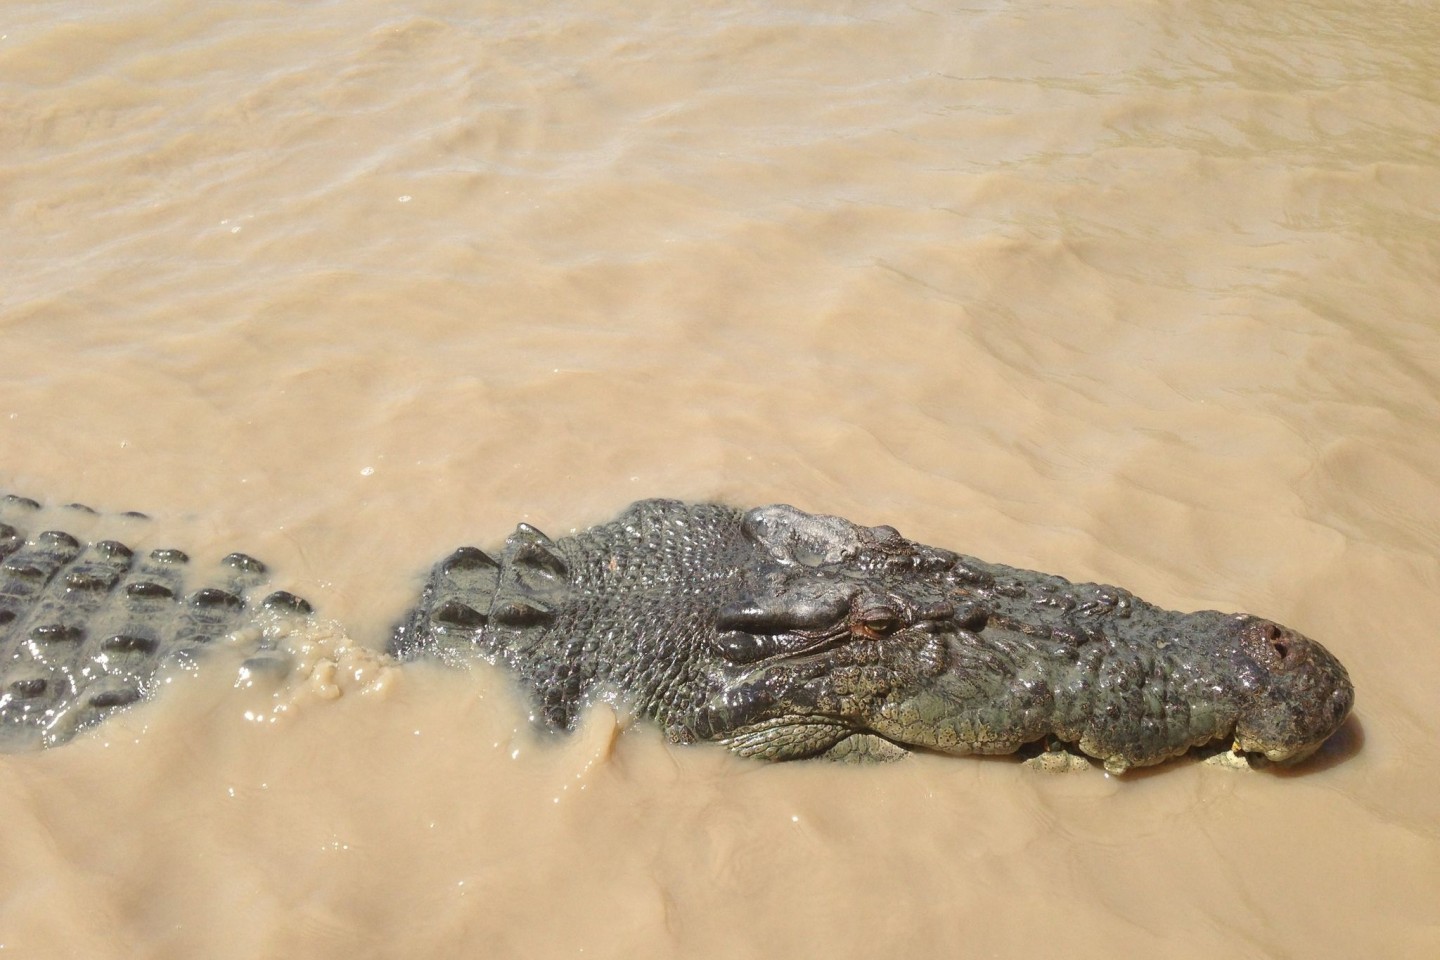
(1298, 696)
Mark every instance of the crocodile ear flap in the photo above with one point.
(813, 610)
(761, 627)
(809, 539)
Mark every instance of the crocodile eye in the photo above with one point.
(878, 621)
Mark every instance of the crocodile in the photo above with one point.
(778, 633)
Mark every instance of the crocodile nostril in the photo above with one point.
(1281, 649)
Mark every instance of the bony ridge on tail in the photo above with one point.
(778, 633)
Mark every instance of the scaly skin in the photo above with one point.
(85, 630)
(784, 635)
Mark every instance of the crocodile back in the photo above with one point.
(86, 629)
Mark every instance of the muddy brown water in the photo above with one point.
(1143, 293)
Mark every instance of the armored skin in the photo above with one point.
(778, 633)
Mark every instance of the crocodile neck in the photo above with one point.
(622, 609)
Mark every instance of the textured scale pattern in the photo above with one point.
(86, 630)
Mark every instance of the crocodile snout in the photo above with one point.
(1305, 696)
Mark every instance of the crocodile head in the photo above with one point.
(858, 643)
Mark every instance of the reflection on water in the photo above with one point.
(1136, 294)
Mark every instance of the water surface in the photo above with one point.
(1133, 292)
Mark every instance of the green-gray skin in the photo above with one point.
(785, 635)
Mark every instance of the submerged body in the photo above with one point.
(778, 633)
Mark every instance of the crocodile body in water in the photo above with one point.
(778, 633)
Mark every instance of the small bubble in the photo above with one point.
(367, 472)
(404, 198)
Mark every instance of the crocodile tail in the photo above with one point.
(87, 629)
